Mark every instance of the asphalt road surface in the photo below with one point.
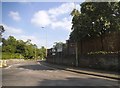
(37, 74)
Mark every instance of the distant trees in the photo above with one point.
(27, 50)
(42, 52)
(1, 31)
(95, 19)
(58, 46)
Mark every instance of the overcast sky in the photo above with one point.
(24, 20)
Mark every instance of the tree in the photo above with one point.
(58, 46)
(75, 12)
(19, 47)
(104, 17)
(29, 52)
(1, 31)
(42, 52)
(95, 20)
(9, 45)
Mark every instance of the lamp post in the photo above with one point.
(35, 52)
(46, 42)
(76, 50)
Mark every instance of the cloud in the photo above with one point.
(15, 15)
(41, 18)
(23, 1)
(65, 23)
(34, 39)
(63, 9)
(19, 34)
(11, 30)
(55, 17)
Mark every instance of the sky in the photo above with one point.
(42, 22)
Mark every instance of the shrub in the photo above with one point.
(11, 56)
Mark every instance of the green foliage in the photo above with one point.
(7, 55)
(1, 30)
(95, 19)
(29, 51)
(42, 52)
(101, 52)
(75, 12)
(58, 46)
(13, 48)
(20, 47)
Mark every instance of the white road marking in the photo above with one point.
(47, 66)
(12, 66)
(8, 67)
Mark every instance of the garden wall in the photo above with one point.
(109, 44)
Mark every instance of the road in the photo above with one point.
(36, 74)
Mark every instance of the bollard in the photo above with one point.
(4, 63)
(0, 63)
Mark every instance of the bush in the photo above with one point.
(11, 55)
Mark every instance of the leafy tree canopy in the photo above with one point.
(13, 47)
(95, 19)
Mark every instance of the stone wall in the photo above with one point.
(108, 62)
(106, 43)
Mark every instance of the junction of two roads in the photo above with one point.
(32, 73)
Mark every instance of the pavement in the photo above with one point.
(100, 73)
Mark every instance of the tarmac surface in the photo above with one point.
(32, 73)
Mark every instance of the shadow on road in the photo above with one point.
(36, 66)
(72, 81)
(50, 78)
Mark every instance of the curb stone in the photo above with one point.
(106, 75)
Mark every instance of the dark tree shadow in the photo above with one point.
(40, 65)
(70, 81)
(35, 67)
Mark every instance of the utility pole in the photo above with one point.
(46, 42)
(76, 50)
(76, 45)
(35, 53)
